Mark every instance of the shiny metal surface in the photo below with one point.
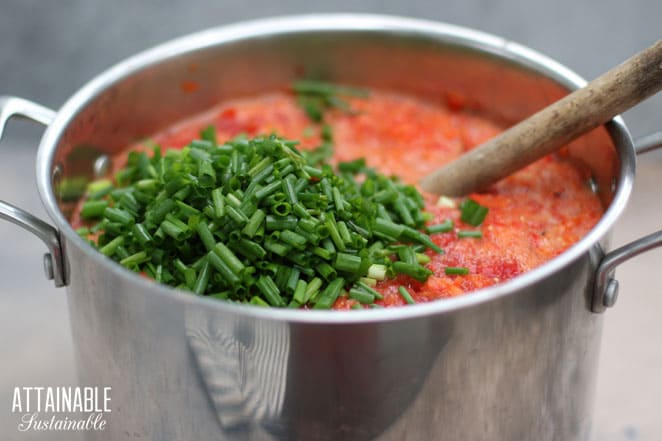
(515, 361)
(605, 272)
(606, 287)
(648, 143)
(520, 367)
(10, 107)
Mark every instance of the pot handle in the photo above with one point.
(53, 260)
(605, 289)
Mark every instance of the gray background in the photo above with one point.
(48, 49)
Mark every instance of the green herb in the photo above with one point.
(256, 221)
(469, 233)
(456, 270)
(99, 189)
(412, 270)
(361, 296)
(315, 97)
(472, 212)
(330, 294)
(443, 227)
(93, 209)
(405, 295)
(422, 259)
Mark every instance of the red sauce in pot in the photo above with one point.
(534, 215)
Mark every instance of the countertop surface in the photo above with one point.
(50, 48)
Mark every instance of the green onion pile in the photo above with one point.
(256, 221)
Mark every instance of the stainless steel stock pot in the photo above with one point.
(516, 361)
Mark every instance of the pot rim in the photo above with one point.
(269, 27)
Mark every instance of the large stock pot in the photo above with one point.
(516, 361)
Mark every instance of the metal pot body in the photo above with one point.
(516, 361)
(522, 367)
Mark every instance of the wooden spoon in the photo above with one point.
(552, 127)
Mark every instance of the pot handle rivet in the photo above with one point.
(48, 266)
(611, 293)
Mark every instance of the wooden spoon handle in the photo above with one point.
(552, 127)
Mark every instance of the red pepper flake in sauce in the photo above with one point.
(189, 86)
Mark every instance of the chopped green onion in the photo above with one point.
(443, 227)
(280, 222)
(352, 167)
(472, 212)
(255, 221)
(141, 234)
(281, 208)
(236, 214)
(293, 280)
(218, 203)
(228, 257)
(368, 281)
(205, 235)
(134, 259)
(362, 296)
(294, 239)
(93, 209)
(414, 271)
(334, 233)
(267, 286)
(173, 230)
(110, 248)
(229, 276)
(407, 254)
(326, 271)
(328, 297)
(388, 230)
(456, 270)
(421, 238)
(312, 289)
(252, 250)
(469, 233)
(300, 292)
(118, 215)
(348, 263)
(377, 271)
(327, 89)
(405, 295)
(255, 300)
(201, 282)
(99, 189)
(209, 134)
(364, 286)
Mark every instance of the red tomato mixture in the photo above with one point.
(533, 216)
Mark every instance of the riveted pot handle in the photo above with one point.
(606, 286)
(53, 260)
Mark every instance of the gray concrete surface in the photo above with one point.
(48, 49)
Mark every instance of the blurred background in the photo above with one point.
(49, 49)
